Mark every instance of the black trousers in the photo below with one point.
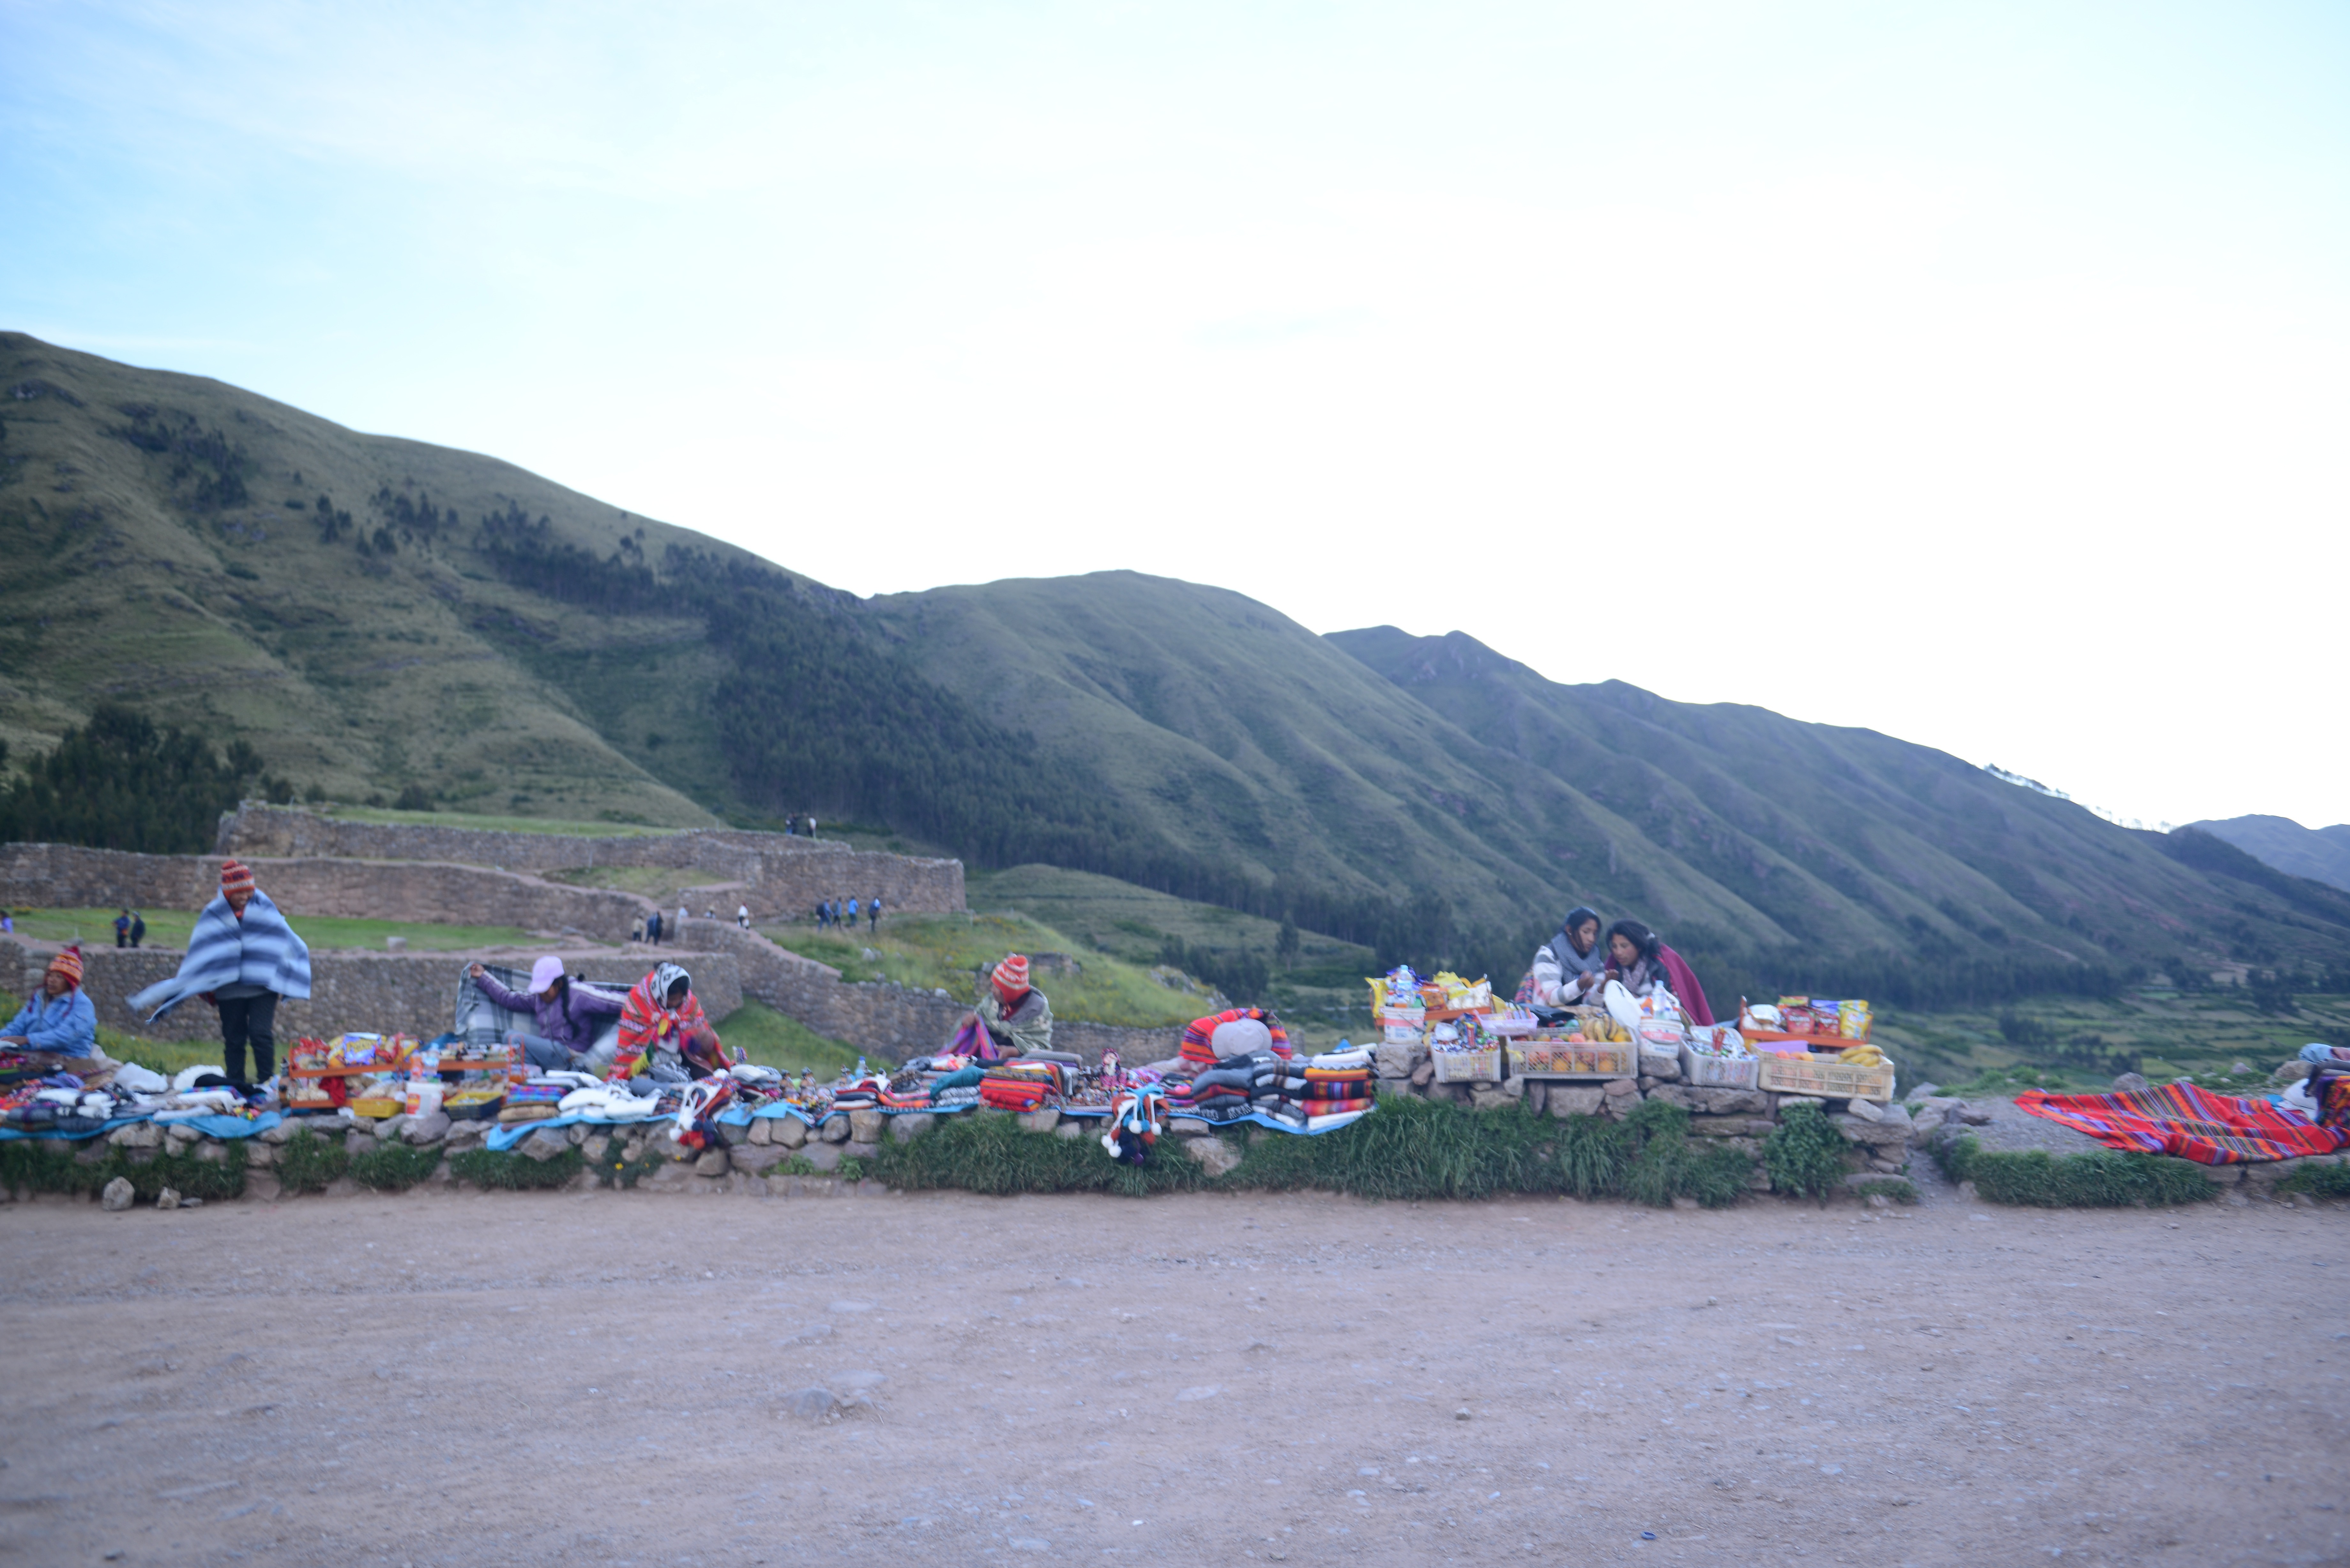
(250, 1019)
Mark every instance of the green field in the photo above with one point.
(487, 823)
(944, 952)
(2079, 1044)
(169, 929)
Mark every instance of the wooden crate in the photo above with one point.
(1831, 1080)
(1575, 1059)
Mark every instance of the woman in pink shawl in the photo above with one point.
(1638, 958)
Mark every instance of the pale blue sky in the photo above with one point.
(1618, 337)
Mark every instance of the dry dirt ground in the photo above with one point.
(605, 1379)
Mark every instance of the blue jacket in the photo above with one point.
(65, 1025)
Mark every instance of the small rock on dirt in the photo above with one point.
(1215, 1155)
(2128, 1084)
(168, 1198)
(118, 1195)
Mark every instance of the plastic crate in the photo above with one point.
(1720, 1072)
(1574, 1059)
(1480, 1065)
(1830, 1080)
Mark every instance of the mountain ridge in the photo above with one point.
(375, 614)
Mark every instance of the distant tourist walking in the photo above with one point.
(681, 918)
(122, 929)
(637, 931)
(138, 928)
(852, 910)
(8, 922)
(873, 914)
(743, 916)
(652, 928)
(241, 958)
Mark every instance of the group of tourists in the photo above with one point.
(833, 912)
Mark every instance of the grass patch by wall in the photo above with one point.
(773, 1040)
(2098, 1178)
(53, 1165)
(490, 823)
(94, 927)
(943, 953)
(1412, 1148)
(493, 1171)
(394, 1166)
(979, 1153)
(2318, 1181)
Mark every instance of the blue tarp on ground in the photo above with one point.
(211, 1127)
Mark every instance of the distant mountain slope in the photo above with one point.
(373, 614)
(167, 549)
(2321, 854)
(1852, 842)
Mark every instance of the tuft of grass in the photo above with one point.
(2318, 1181)
(992, 1155)
(394, 1166)
(943, 953)
(1896, 1187)
(56, 1165)
(1412, 1148)
(773, 1040)
(2098, 1178)
(493, 1171)
(1806, 1153)
(307, 1162)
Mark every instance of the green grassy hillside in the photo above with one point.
(172, 554)
(374, 615)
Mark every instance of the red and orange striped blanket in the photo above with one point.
(2183, 1120)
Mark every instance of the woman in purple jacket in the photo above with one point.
(569, 1017)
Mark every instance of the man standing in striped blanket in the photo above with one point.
(241, 958)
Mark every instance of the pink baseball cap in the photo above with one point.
(545, 972)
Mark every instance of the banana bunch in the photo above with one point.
(1862, 1056)
(1605, 1030)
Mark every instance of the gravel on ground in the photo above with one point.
(601, 1379)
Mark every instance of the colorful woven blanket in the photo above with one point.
(2183, 1120)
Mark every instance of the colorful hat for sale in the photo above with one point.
(1011, 977)
(68, 964)
(236, 874)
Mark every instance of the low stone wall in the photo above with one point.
(64, 876)
(773, 873)
(412, 993)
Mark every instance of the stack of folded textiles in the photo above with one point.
(1022, 1086)
(954, 1099)
(1338, 1082)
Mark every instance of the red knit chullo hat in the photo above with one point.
(68, 964)
(1011, 978)
(236, 874)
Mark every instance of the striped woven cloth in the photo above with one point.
(2183, 1120)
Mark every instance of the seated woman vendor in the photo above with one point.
(567, 1018)
(1570, 968)
(60, 1020)
(1634, 958)
(665, 1037)
(1017, 1018)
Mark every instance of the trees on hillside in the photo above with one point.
(119, 783)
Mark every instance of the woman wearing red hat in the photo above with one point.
(1014, 1013)
(60, 1020)
(243, 957)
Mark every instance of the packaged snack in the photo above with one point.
(1762, 1015)
(1852, 1020)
